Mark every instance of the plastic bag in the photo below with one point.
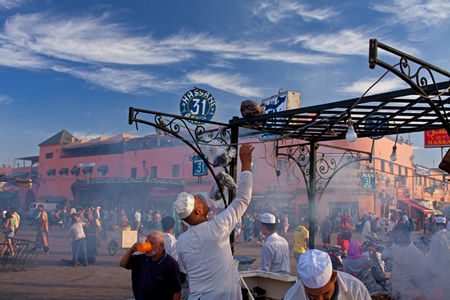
(221, 155)
(215, 194)
(226, 181)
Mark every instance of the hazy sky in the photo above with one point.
(79, 65)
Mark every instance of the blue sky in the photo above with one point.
(79, 65)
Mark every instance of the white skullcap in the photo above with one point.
(268, 218)
(184, 205)
(314, 268)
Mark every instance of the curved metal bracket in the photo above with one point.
(417, 80)
(174, 125)
(325, 168)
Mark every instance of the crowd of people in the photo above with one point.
(199, 264)
(191, 256)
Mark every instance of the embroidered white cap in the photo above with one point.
(184, 205)
(314, 268)
(268, 218)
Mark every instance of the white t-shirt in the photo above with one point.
(137, 216)
(77, 231)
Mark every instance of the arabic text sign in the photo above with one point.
(436, 138)
(199, 167)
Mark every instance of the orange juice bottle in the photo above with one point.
(144, 247)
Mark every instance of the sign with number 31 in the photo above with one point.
(198, 104)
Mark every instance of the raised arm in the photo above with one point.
(226, 220)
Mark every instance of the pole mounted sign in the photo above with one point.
(198, 104)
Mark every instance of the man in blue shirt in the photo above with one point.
(154, 274)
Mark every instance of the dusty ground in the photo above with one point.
(51, 278)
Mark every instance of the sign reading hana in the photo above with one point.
(198, 104)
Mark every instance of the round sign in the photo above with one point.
(373, 122)
(198, 104)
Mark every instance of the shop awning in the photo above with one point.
(423, 209)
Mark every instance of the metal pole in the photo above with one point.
(234, 138)
(312, 194)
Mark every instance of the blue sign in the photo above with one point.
(367, 180)
(199, 166)
(272, 105)
(373, 122)
(198, 104)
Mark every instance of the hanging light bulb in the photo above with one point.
(394, 153)
(350, 136)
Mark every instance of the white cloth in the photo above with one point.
(314, 268)
(268, 218)
(171, 245)
(77, 231)
(275, 255)
(349, 288)
(366, 231)
(411, 274)
(204, 250)
(184, 205)
(137, 216)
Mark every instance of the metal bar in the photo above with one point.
(234, 138)
(373, 43)
(133, 110)
(335, 105)
(312, 193)
(373, 60)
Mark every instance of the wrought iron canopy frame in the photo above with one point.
(422, 107)
(377, 115)
(417, 80)
(175, 126)
(318, 171)
(325, 168)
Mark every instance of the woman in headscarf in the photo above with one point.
(364, 268)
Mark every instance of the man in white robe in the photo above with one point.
(204, 250)
(275, 251)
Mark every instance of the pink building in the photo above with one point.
(146, 172)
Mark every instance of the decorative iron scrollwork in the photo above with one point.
(195, 138)
(325, 167)
(418, 80)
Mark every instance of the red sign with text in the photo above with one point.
(436, 138)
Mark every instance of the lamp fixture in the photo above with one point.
(350, 136)
(393, 156)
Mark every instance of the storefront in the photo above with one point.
(130, 193)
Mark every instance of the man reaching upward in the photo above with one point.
(204, 250)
